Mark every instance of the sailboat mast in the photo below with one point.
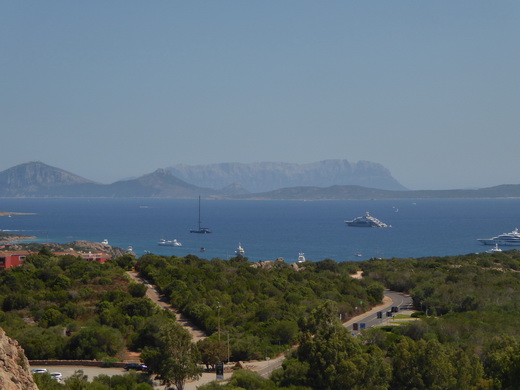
(199, 212)
(200, 229)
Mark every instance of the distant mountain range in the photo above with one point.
(36, 179)
(268, 176)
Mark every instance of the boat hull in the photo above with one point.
(359, 224)
(201, 231)
(499, 242)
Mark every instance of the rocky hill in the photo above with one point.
(14, 366)
(268, 176)
(34, 178)
(40, 180)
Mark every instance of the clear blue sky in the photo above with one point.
(113, 89)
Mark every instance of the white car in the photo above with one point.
(38, 371)
(57, 376)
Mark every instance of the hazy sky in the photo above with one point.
(113, 89)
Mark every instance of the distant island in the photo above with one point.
(9, 213)
(9, 237)
(291, 182)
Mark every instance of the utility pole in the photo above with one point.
(218, 316)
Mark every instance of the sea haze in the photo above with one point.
(269, 229)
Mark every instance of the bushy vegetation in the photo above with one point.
(476, 295)
(67, 308)
(79, 381)
(467, 335)
(257, 308)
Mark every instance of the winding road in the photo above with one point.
(265, 367)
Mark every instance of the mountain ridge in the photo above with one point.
(268, 176)
(36, 179)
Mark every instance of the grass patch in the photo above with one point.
(401, 316)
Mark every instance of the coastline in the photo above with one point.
(9, 213)
(6, 239)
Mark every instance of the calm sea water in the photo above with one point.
(269, 229)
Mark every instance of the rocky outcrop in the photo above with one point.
(14, 366)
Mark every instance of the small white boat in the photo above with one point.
(130, 249)
(173, 242)
(495, 249)
(301, 257)
(240, 251)
(104, 242)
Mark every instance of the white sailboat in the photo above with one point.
(201, 230)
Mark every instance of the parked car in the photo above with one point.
(38, 371)
(136, 366)
(57, 376)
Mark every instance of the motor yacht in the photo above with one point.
(366, 221)
(301, 257)
(240, 251)
(504, 239)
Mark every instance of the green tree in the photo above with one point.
(77, 381)
(176, 358)
(212, 352)
(337, 360)
(432, 365)
(249, 380)
(130, 381)
(502, 362)
(137, 290)
(284, 332)
(293, 373)
(45, 382)
(51, 317)
(94, 343)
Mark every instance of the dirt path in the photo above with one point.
(152, 293)
(264, 368)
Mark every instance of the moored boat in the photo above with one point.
(366, 221)
(240, 251)
(504, 239)
(301, 257)
(200, 230)
(173, 242)
(495, 249)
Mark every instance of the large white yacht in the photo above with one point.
(505, 239)
(366, 221)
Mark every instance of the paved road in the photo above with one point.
(264, 368)
(369, 319)
(91, 372)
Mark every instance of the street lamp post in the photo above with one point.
(218, 316)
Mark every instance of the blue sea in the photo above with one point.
(269, 229)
